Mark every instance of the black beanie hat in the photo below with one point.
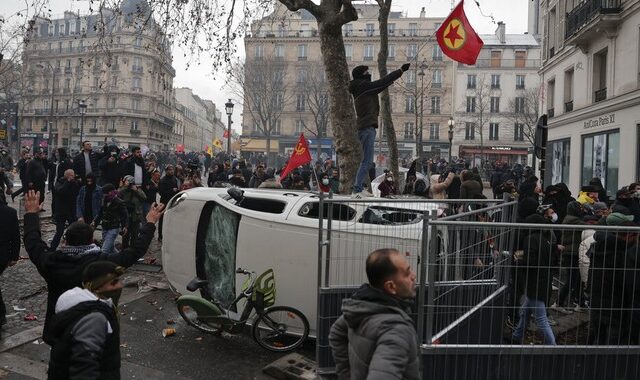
(359, 71)
(99, 273)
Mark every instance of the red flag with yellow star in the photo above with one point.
(299, 156)
(457, 39)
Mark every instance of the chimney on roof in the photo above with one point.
(500, 32)
(423, 13)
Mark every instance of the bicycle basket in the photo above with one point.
(264, 290)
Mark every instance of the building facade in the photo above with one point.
(590, 76)
(207, 119)
(187, 133)
(422, 97)
(497, 100)
(120, 70)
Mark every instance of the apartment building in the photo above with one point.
(590, 74)
(207, 117)
(107, 62)
(497, 100)
(290, 43)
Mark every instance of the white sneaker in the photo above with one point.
(560, 309)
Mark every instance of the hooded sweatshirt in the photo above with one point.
(365, 95)
(374, 338)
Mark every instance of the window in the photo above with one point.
(278, 101)
(114, 82)
(410, 104)
(368, 52)
(67, 84)
(412, 50)
(45, 105)
(601, 159)
(369, 28)
(410, 77)
(300, 102)
(600, 75)
(96, 82)
(259, 51)
(277, 126)
(551, 92)
(302, 52)
(408, 130)
(519, 105)
(136, 83)
(323, 104)
(134, 125)
(518, 132)
(392, 53)
(437, 53)
(434, 131)
(471, 104)
(348, 51)
(519, 82)
(413, 29)
(435, 104)
(493, 131)
(340, 211)
(279, 51)
(347, 30)
(495, 104)
(112, 103)
(299, 126)
(568, 90)
(558, 161)
(496, 58)
(469, 131)
(436, 80)
(135, 104)
(495, 80)
(471, 81)
(137, 42)
(391, 29)
(521, 58)
(302, 76)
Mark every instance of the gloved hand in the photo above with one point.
(405, 67)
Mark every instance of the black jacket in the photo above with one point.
(64, 271)
(365, 95)
(539, 258)
(9, 235)
(56, 171)
(165, 188)
(66, 195)
(79, 347)
(111, 172)
(112, 215)
(129, 168)
(36, 173)
(78, 164)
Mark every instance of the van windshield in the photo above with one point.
(389, 215)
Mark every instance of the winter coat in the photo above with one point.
(56, 171)
(538, 260)
(365, 96)
(85, 338)
(78, 164)
(129, 168)
(35, 173)
(66, 197)
(374, 338)
(584, 261)
(387, 188)
(112, 215)
(470, 189)
(96, 203)
(63, 271)
(438, 189)
(585, 199)
(110, 172)
(255, 181)
(133, 199)
(571, 239)
(9, 235)
(165, 188)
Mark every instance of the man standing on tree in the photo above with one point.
(365, 96)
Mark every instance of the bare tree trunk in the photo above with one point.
(269, 151)
(343, 117)
(387, 121)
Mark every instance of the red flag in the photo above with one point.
(226, 133)
(299, 156)
(457, 39)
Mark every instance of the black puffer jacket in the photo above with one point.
(365, 95)
(539, 258)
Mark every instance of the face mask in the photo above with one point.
(367, 77)
(113, 294)
(554, 217)
(325, 181)
(390, 179)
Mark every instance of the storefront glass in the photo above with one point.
(558, 164)
(600, 159)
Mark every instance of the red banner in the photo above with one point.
(299, 156)
(457, 39)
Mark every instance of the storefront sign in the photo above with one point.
(500, 148)
(600, 121)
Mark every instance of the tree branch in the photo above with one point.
(296, 5)
(347, 14)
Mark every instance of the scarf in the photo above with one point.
(80, 250)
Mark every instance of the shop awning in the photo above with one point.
(258, 145)
(490, 150)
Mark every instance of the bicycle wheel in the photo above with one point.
(200, 314)
(280, 329)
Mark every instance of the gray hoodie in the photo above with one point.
(374, 338)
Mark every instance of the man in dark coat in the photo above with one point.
(57, 166)
(9, 244)
(110, 167)
(62, 269)
(66, 190)
(365, 96)
(134, 166)
(86, 162)
(36, 174)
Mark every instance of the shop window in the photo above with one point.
(600, 159)
(558, 164)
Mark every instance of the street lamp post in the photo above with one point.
(229, 109)
(50, 118)
(82, 105)
(423, 66)
(451, 124)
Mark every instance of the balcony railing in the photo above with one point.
(550, 113)
(568, 106)
(587, 11)
(505, 63)
(135, 132)
(600, 95)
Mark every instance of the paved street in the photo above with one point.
(147, 308)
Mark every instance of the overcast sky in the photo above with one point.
(211, 86)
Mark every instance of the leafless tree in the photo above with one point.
(263, 86)
(314, 90)
(523, 110)
(480, 114)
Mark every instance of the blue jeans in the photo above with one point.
(367, 137)
(539, 311)
(109, 240)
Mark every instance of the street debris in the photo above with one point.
(30, 317)
(16, 308)
(171, 321)
(168, 332)
(199, 338)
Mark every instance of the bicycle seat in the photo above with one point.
(196, 284)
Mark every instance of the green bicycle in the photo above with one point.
(275, 328)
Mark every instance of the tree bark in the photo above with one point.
(387, 121)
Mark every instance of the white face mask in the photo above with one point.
(325, 181)
(554, 217)
(390, 179)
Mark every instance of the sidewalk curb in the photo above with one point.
(21, 338)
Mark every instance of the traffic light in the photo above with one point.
(541, 137)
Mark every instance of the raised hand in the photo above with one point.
(405, 67)
(32, 202)
(157, 209)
